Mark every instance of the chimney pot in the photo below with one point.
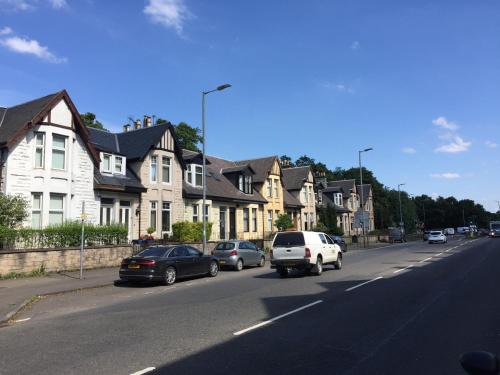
(137, 124)
(147, 121)
(126, 128)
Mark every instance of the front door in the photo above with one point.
(232, 223)
(222, 223)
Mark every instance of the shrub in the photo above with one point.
(185, 231)
(283, 222)
(13, 210)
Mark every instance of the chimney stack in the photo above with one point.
(147, 121)
(137, 124)
(126, 128)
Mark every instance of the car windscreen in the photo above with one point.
(289, 239)
(495, 226)
(153, 252)
(225, 246)
(435, 233)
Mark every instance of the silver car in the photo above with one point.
(238, 254)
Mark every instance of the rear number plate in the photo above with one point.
(133, 266)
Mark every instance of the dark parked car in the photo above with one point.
(340, 241)
(167, 264)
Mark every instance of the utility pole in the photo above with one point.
(401, 223)
(362, 205)
(82, 240)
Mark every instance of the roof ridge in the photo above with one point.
(3, 117)
(167, 124)
(263, 157)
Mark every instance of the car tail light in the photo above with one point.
(233, 253)
(147, 263)
(308, 252)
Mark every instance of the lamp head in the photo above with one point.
(223, 87)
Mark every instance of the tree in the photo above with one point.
(328, 218)
(284, 222)
(13, 210)
(286, 161)
(188, 137)
(304, 160)
(89, 119)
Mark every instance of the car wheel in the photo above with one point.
(170, 275)
(318, 267)
(262, 262)
(214, 269)
(338, 263)
(283, 271)
(239, 265)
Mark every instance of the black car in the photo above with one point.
(167, 264)
(340, 241)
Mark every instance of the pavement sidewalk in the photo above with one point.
(16, 293)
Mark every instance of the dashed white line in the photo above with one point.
(366, 282)
(403, 269)
(439, 254)
(425, 260)
(147, 369)
(276, 318)
(21, 320)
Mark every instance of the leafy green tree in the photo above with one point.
(286, 161)
(13, 210)
(328, 219)
(304, 160)
(89, 119)
(189, 137)
(284, 222)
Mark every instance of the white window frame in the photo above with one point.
(270, 187)
(61, 211)
(63, 149)
(276, 188)
(207, 212)
(40, 147)
(166, 167)
(153, 207)
(169, 210)
(196, 213)
(104, 157)
(270, 219)
(254, 220)
(122, 164)
(153, 172)
(198, 171)
(304, 194)
(246, 219)
(38, 210)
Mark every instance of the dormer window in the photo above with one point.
(106, 163)
(338, 199)
(245, 184)
(194, 175)
(118, 164)
(113, 164)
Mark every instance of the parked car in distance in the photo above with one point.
(167, 264)
(437, 236)
(304, 250)
(463, 230)
(238, 254)
(426, 235)
(494, 229)
(397, 235)
(340, 241)
(449, 231)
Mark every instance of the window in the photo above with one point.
(245, 184)
(106, 163)
(119, 165)
(206, 212)
(195, 213)
(39, 150)
(153, 173)
(306, 221)
(254, 219)
(152, 215)
(192, 252)
(165, 217)
(106, 211)
(166, 163)
(189, 175)
(310, 194)
(323, 239)
(304, 193)
(36, 210)
(338, 199)
(56, 209)
(58, 151)
(269, 187)
(240, 183)
(198, 175)
(276, 186)
(246, 220)
(270, 220)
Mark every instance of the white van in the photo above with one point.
(449, 231)
(304, 250)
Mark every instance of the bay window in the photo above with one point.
(56, 209)
(36, 210)
(39, 150)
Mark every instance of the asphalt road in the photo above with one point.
(404, 309)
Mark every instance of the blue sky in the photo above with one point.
(416, 80)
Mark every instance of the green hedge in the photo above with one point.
(64, 235)
(185, 231)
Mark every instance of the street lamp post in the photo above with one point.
(400, 206)
(204, 175)
(362, 192)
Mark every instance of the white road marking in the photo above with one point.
(438, 254)
(403, 269)
(21, 320)
(189, 284)
(147, 369)
(148, 293)
(366, 282)
(266, 322)
(425, 260)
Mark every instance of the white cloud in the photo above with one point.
(447, 175)
(355, 45)
(340, 87)
(5, 31)
(58, 4)
(445, 124)
(409, 150)
(28, 5)
(456, 145)
(169, 13)
(491, 144)
(31, 47)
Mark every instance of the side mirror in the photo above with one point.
(480, 363)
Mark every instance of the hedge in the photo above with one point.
(64, 235)
(185, 231)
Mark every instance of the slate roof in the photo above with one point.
(129, 183)
(105, 141)
(293, 178)
(290, 200)
(261, 166)
(366, 191)
(218, 186)
(12, 119)
(345, 185)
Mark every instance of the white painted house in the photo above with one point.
(45, 156)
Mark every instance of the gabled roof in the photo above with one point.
(290, 200)
(129, 183)
(16, 121)
(104, 140)
(238, 168)
(294, 178)
(366, 191)
(261, 166)
(218, 186)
